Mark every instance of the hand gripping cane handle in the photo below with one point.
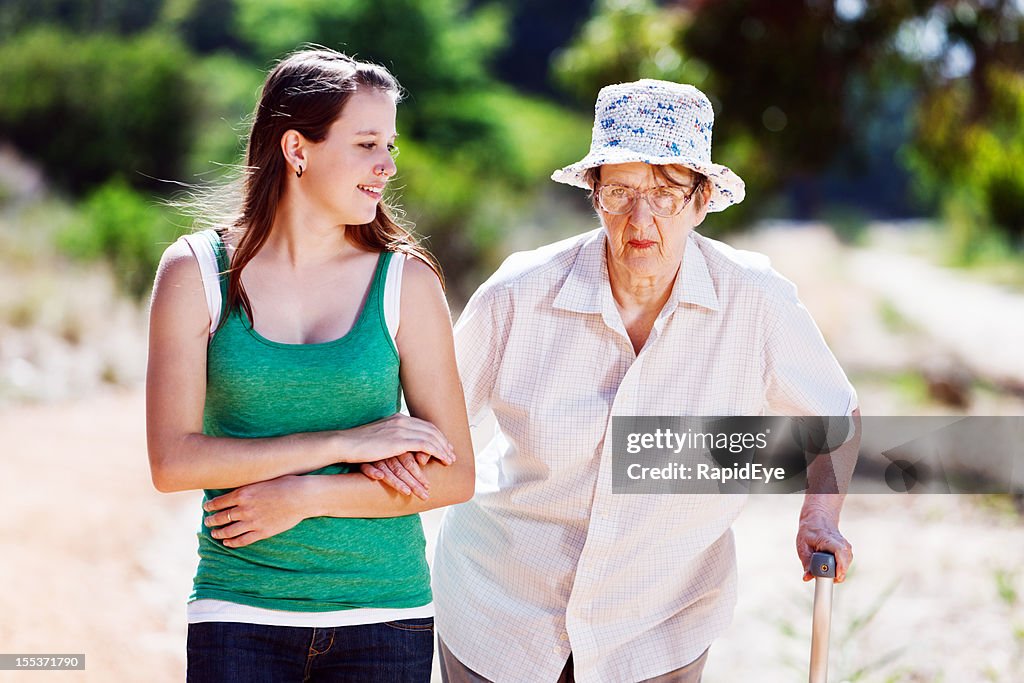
(823, 568)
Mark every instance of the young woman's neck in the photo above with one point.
(303, 237)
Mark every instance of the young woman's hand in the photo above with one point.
(403, 473)
(394, 436)
(257, 511)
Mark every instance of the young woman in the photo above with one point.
(279, 347)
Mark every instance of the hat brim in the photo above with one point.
(727, 187)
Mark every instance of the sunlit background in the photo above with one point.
(882, 144)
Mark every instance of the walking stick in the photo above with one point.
(823, 568)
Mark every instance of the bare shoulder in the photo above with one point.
(178, 267)
(178, 296)
(425, 320)
(420, 284)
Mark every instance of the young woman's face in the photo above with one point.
(348, 170)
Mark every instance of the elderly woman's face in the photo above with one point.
(640, 241)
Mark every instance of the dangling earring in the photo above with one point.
(298, 172)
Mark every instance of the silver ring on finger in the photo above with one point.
(229, 516)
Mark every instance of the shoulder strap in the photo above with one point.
(208, 248)
(393, 293)
(209, 251)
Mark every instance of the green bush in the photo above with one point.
(466, 198)
(430, 45)
(229, 87)
(997, 154)
(123, 227)
(78, 16)
(541, 136)
(624, 40)
(975, 168)
(90, 107)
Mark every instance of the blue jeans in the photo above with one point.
(390, 652)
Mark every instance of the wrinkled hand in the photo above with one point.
(394, 436)
(403, 473)
(819, 531)
(256, 511)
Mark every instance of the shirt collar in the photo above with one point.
(694, 284)
(587, 289)
(584, 289)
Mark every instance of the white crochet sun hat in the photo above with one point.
(660, 123)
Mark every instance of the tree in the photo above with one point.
(432, 45)
(89, 108)
(968, 145)
(798, 84)
(94, 16)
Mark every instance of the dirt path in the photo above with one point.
(922, 602)
(983, 325)
(893, 320)
(95, 560)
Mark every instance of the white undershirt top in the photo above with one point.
(219, 610)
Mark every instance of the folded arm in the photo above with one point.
(434, 395)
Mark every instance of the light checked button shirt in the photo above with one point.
(545, 560)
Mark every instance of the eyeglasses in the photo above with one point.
(664, 201)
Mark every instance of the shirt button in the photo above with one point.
(557, 650)
(564, 636)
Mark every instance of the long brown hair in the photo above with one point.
(305, 92)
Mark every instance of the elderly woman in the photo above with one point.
(546, 575)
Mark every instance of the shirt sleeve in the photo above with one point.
(480, 336)
(802, 377)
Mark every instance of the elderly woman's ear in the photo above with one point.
(706, 188)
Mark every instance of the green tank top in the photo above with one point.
(260, 388)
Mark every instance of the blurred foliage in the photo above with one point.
(205, 25)
(433, 46)
(798, 86)
(124, 227)
(229, 87)
(137, 101)
(100, 89)
(78, 16)
(87, 107)
(625, 40)
(967, 149)
(779, 74)
(783, 70)
(536, 31)
(464, 197)
(975, 168)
